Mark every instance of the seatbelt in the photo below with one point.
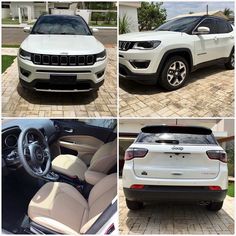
(103, 218)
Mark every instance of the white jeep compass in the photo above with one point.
(168, 54)
(175, 163)
(61, 54)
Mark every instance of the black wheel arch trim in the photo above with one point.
(171, 51)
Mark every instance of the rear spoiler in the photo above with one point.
(176, 129)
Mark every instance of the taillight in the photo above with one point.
(214, 188)
(217, 155)
(135, 153)
(110, 229)
(137, 186)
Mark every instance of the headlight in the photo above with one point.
(101, 56)
(25, 55)
(145, 45)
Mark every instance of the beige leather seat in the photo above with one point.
(61, 208)
(102, 161)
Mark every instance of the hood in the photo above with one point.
(150, 35)
(58, 44)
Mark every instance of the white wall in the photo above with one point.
(131, 13)
(62, 12)
(5, 13)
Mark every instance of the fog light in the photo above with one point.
(24, 72)
(140, 64)
(100, 74)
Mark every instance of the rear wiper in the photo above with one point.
(171, 141)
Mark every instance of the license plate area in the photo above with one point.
(63, 79)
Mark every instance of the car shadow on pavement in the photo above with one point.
(46, 98)
(172, 218)
(133, 87)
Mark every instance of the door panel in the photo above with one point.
(85, 146)
(205, 48)
(79, 137)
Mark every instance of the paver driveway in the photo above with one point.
(208, 93)
(18, 102)
(175, 218)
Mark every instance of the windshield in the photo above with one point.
(176, 138)
(179, 25)
(68, 25)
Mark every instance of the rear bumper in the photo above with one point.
(174, 193)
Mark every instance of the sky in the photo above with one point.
(178, 8)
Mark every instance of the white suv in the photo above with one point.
(175, 163)
(61, 55)
(168, 54)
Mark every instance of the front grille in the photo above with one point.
(125, 45)
(63, 60)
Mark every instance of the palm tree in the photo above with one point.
(228, 12)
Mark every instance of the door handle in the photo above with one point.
(231, 36)
(177, 173)
(68, 130)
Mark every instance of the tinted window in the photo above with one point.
(70, 25)
(184, 24)
(175, 138)
(223, 27)
(211, 24)
(105, 123)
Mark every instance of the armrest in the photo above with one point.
(92, 177)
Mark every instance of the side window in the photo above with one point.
(223, 27)
(105, 123)
(211, 24)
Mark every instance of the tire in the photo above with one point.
(230, 64)
(134, 205)
(214, 206)
(174, 82)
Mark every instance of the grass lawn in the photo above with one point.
(7, 61)
(9, 21)
(10, 45)
(231, 189)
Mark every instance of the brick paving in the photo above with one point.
(208, 93)
(17, 102)
(175, 218)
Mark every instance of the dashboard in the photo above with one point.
(11, 130)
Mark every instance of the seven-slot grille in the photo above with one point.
(125, 45)
(63, 60)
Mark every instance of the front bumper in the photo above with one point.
(147, 75)
(174, 193)
(85, 78)
(148, 79)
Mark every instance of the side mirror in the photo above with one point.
(95, 30)
(203, 30)
(27, 29)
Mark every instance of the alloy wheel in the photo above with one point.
(176, 73)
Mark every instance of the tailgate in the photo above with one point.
(177, 162)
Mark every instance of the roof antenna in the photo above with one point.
(207, 9)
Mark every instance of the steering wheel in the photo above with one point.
(34, 156)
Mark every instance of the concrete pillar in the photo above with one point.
(29, 14)
(19, 15)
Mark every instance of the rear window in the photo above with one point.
(176, 138)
